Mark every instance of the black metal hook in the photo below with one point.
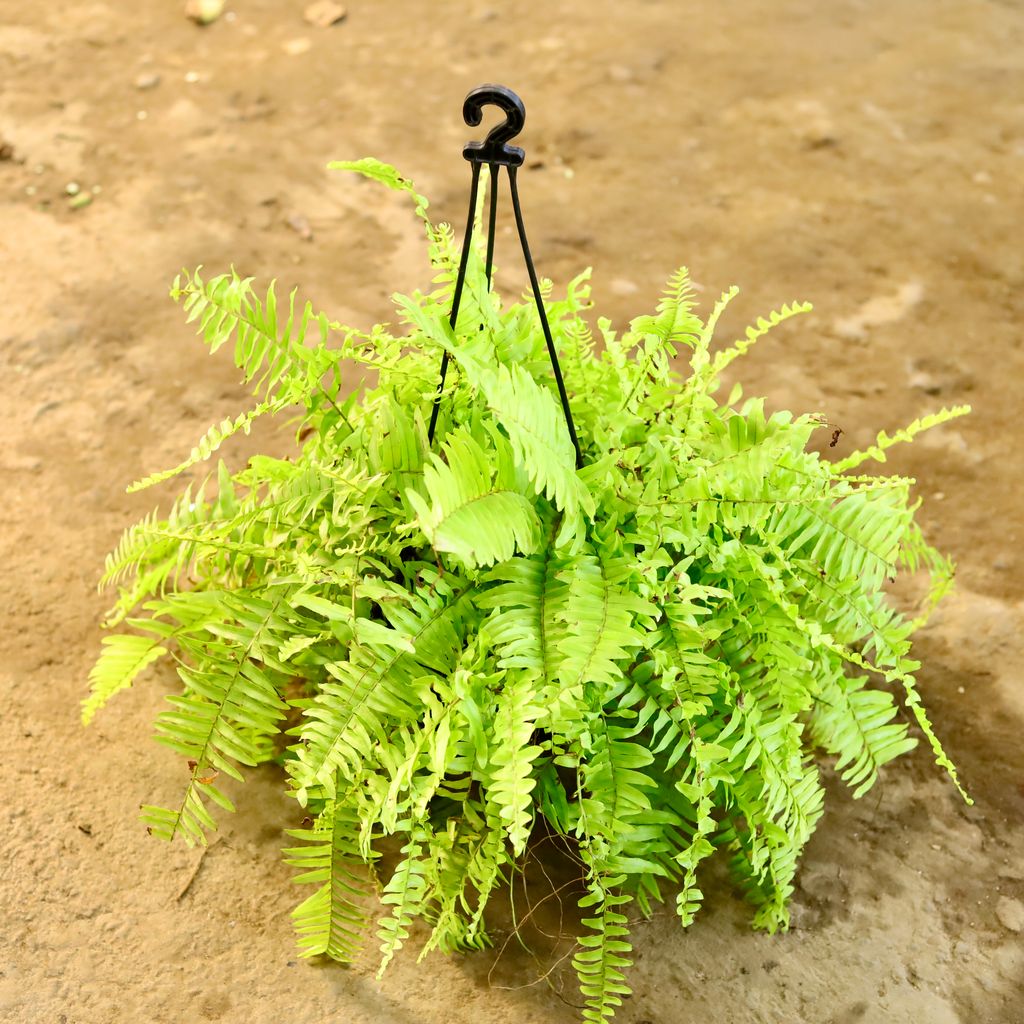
(494, 149)
(495, 152)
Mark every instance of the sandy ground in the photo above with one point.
(867, 156)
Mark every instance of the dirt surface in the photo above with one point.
(866, 156)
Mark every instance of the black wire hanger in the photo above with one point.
(496, 152)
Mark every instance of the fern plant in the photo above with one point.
(455, 647)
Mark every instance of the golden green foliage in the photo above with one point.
(649, 653)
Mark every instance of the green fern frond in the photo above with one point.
(124, 658)
(616, 788)
(136, 550)
(385, 174)
(756, 332)
(208, 444)
(699, 358)
(884, 442)
(605, 950)
(228, 713)
(913, 701)
(675, 321)
(382, 680)
(511, 780)
(532, 418)
(405, 894)
(529, 620)
(856, 724)
(601, 612)
(333, 920)
(477, 510)
(272, 355)
(701, 793)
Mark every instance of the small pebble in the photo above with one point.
(622, 286)
(324, 13)
(72, 188)
(141, 115)
(925, 382)
(297, 47)
(812, 124)
(1010, 913)
(300, 225)
(203, 12)
(147, 80)
(192, 77)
